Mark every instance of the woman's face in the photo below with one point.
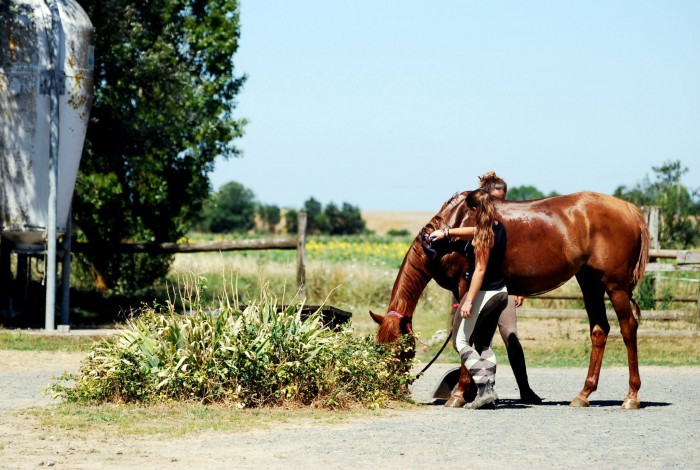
(499, 193)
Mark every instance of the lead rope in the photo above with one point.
(436, 356)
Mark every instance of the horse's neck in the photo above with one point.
(410, 282)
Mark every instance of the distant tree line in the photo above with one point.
(234, 209)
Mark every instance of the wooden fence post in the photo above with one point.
(651, 214)
(301, 255)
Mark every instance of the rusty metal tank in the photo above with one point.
(25, 63)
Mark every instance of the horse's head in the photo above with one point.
(393, 326)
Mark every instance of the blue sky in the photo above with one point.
(396, 105)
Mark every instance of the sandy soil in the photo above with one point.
(383, 221)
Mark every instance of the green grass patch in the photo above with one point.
(20, 341)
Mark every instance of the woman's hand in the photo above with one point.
(440, 233)
(465, 311)
(518, 300)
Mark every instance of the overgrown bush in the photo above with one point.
(253, 356)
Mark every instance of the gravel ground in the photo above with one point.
(664, 434)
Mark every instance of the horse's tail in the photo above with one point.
(643, 254)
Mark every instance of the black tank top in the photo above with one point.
(493, 278)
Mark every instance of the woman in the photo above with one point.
(507, 324)
(486, 297)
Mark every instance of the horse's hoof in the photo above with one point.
(630, 404)
(579, 402)
(454, 402)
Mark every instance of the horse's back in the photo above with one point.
(551, 239)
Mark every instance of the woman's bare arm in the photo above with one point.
(482, 260)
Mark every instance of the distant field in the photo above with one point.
(382, 221)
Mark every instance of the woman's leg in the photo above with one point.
(507, 326)
(474, 345)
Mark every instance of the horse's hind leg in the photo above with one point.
(594, 301)
(628, 328)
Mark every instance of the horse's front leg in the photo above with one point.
(459, 393)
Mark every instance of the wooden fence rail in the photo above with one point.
(198, 247)
(298, 244)
(581, 313)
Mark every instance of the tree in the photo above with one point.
(679, 209)
(334, 219)
(291, 220)
(231, 209)
(163, 111)
(316, 218)
(330, 220)
(347, 221)
(524, 193)
(270, 215)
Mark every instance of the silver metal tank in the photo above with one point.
(25, 64)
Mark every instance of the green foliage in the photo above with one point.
(316, 221)
(645, 292)
(330, 220)
(231, 209)
(398, 232)
(679, 208)
(163, 111)
(291, 221)
(345, 221)
(526, 193)
(250, 357)
(270, 215)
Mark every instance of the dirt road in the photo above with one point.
(664, 434)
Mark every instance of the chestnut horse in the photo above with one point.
(601, 240)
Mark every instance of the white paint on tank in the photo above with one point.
(25, 26)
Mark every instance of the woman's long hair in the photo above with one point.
(485, 215)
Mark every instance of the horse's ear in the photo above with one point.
(376, 317)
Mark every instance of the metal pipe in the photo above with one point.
(65, 272)
(54, 37)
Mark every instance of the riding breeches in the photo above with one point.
(473, 335)
(507, 323)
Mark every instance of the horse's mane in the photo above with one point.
(440, 219)
(414, 275)
(410, 281)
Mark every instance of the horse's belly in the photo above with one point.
(534, 279)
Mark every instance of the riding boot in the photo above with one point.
(516, 356)
(485, 397)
